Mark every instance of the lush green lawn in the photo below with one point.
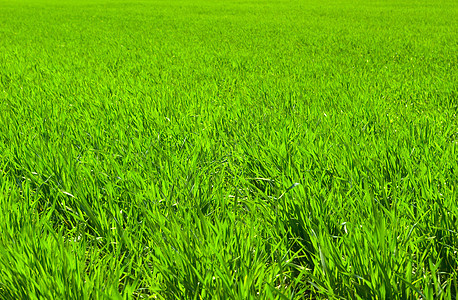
(228, 149)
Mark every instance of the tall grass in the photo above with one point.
(230, 150)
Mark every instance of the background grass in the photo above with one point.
(234, 150)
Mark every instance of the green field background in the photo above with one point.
(228, 149)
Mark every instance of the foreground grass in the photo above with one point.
(232, 150)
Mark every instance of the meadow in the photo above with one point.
(192, 149)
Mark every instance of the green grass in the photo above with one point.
(228, 149)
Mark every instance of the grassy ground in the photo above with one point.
(228, 149)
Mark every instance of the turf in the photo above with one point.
(228, 149)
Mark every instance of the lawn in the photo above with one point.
(192, 149)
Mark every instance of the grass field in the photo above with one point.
(228, 149)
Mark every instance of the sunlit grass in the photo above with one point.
(228, 150)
